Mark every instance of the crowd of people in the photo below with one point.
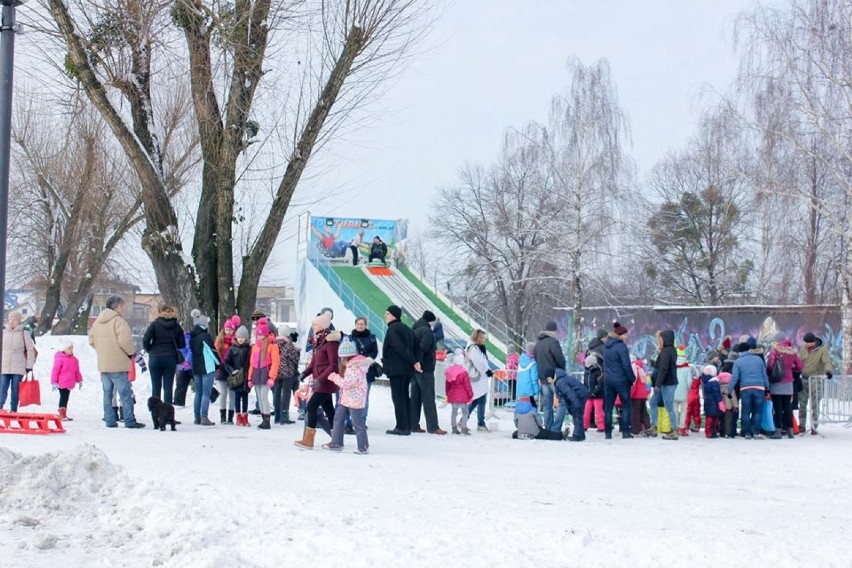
(738, 383)
(662, 396)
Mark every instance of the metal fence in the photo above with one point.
(350, 299)
(833, 399)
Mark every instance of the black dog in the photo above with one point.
(162, 413)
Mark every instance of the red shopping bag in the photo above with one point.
(29, 392)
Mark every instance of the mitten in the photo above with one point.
(270, 383)
(722, 406)
(250, 385)
(80, 385)
(828, 375)
(315, 383)
(54, 387)
(489, 373)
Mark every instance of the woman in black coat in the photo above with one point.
(162, 340)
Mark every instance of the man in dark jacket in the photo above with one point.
(548, 355)
(423, 385)
(378, 250)
(400, 363)
(618, 378)
(664, 381)
(572, 399)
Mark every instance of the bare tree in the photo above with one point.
(67, 194)
(585, 149)
(698, 222)
(805, 48)
(115, 60)
(342, 52)
(504, 221)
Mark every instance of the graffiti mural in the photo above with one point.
(702, 330)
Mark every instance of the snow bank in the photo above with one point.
(77, 505)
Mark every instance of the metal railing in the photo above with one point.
(833, 399)
(350, 299)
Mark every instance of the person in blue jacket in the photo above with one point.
(573, 395)
(618, 378)
(750, 374)
(528, 375)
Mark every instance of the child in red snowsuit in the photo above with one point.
(693, 404)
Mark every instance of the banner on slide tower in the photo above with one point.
(332, 237)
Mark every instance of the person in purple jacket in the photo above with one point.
(184, 375)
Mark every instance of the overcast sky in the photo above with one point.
(492, 64)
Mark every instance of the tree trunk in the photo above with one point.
(846, 302)
(75, 306)
(222, 137)
(175, 278)
(811, 238)
(80, 325)
(69, 241)
(254, 263)
(577, 344)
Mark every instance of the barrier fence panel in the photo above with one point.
(832, 398)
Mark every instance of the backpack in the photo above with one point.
(469, 367)
(777, 373)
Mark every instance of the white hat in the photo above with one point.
(65, 343)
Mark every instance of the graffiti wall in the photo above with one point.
(702, 330)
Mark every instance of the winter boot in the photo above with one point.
(204, 421)
(265, 424)
(307, 441)
(230, 417)
(245, 419)
(775, 435)
(790, 433)
(223, 416)
(63, 415)
(670, 436)
(285, 418)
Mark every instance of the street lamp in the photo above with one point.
(8, 29)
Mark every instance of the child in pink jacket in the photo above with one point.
(352, 380)
(459, 392)
(65, 375)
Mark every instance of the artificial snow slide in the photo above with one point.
(226, 496)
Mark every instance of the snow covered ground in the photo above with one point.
(228, 496)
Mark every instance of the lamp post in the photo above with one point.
(8, 29)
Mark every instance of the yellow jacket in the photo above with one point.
(113, 341)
